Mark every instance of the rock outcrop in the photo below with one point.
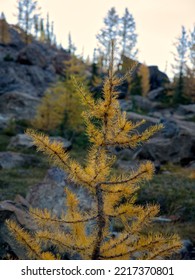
(157, 78)
(50, 192)
(9, 160)
(23, 141)
(26, 71)
(175, 143)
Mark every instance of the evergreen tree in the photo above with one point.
(60, 107)
(108, 33)
(190, 71)
(180, 67)
(71, 46)
(189, 81)
(49, 30)
(4, 30)
(192, 47)
(27, 11)
(113, 196)
(128, 35)
(144, 73)
(36, 26)
(95, 80)
(48, 37)
(50, 112)
(53, 37)
(134, 80)
(42, 30)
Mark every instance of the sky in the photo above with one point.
(158, 24)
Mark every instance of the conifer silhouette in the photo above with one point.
(5, 37)
(114, 195)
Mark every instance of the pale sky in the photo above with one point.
(158, 23)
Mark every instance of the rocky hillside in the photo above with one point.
(26, 71)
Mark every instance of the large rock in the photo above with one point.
(165, 150)
(50, 193)
(4, 121)
(156, 94)
(8, 81)
(58, 62)
(171, 128)
(157, 78)
(32, 54)
(10, 160)
(18, 105)
(17, 211)
(174, 143)
(187, 111)
(66, 144)
(16, 38)
(25, 142)
(138, 117)
(32, 80)
(20, 141)
(143, 103)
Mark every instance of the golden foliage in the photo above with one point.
(145, 79)
(5, 37)
(29, 242)
(50, 112)
(114, 196)
(61, 104)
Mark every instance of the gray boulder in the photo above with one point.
(4, 121)
(17, 211)
(170, 129)
(126, 105)
(156, 94)
(157, 78)
(18, 105)
(175, 143)
(50, 193)
(188, 111)
(10, 160)
(25, 142)
(179, 148)
(28, 79)
(32, 54)
(66, 143)
(20, 141)
(145, 104)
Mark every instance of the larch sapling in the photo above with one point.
(106, 126)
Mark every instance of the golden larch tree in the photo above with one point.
(5, 37)
(60, 106)
(50, 112)
(114, 196)
(145, 79)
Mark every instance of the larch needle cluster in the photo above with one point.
(114, 196)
